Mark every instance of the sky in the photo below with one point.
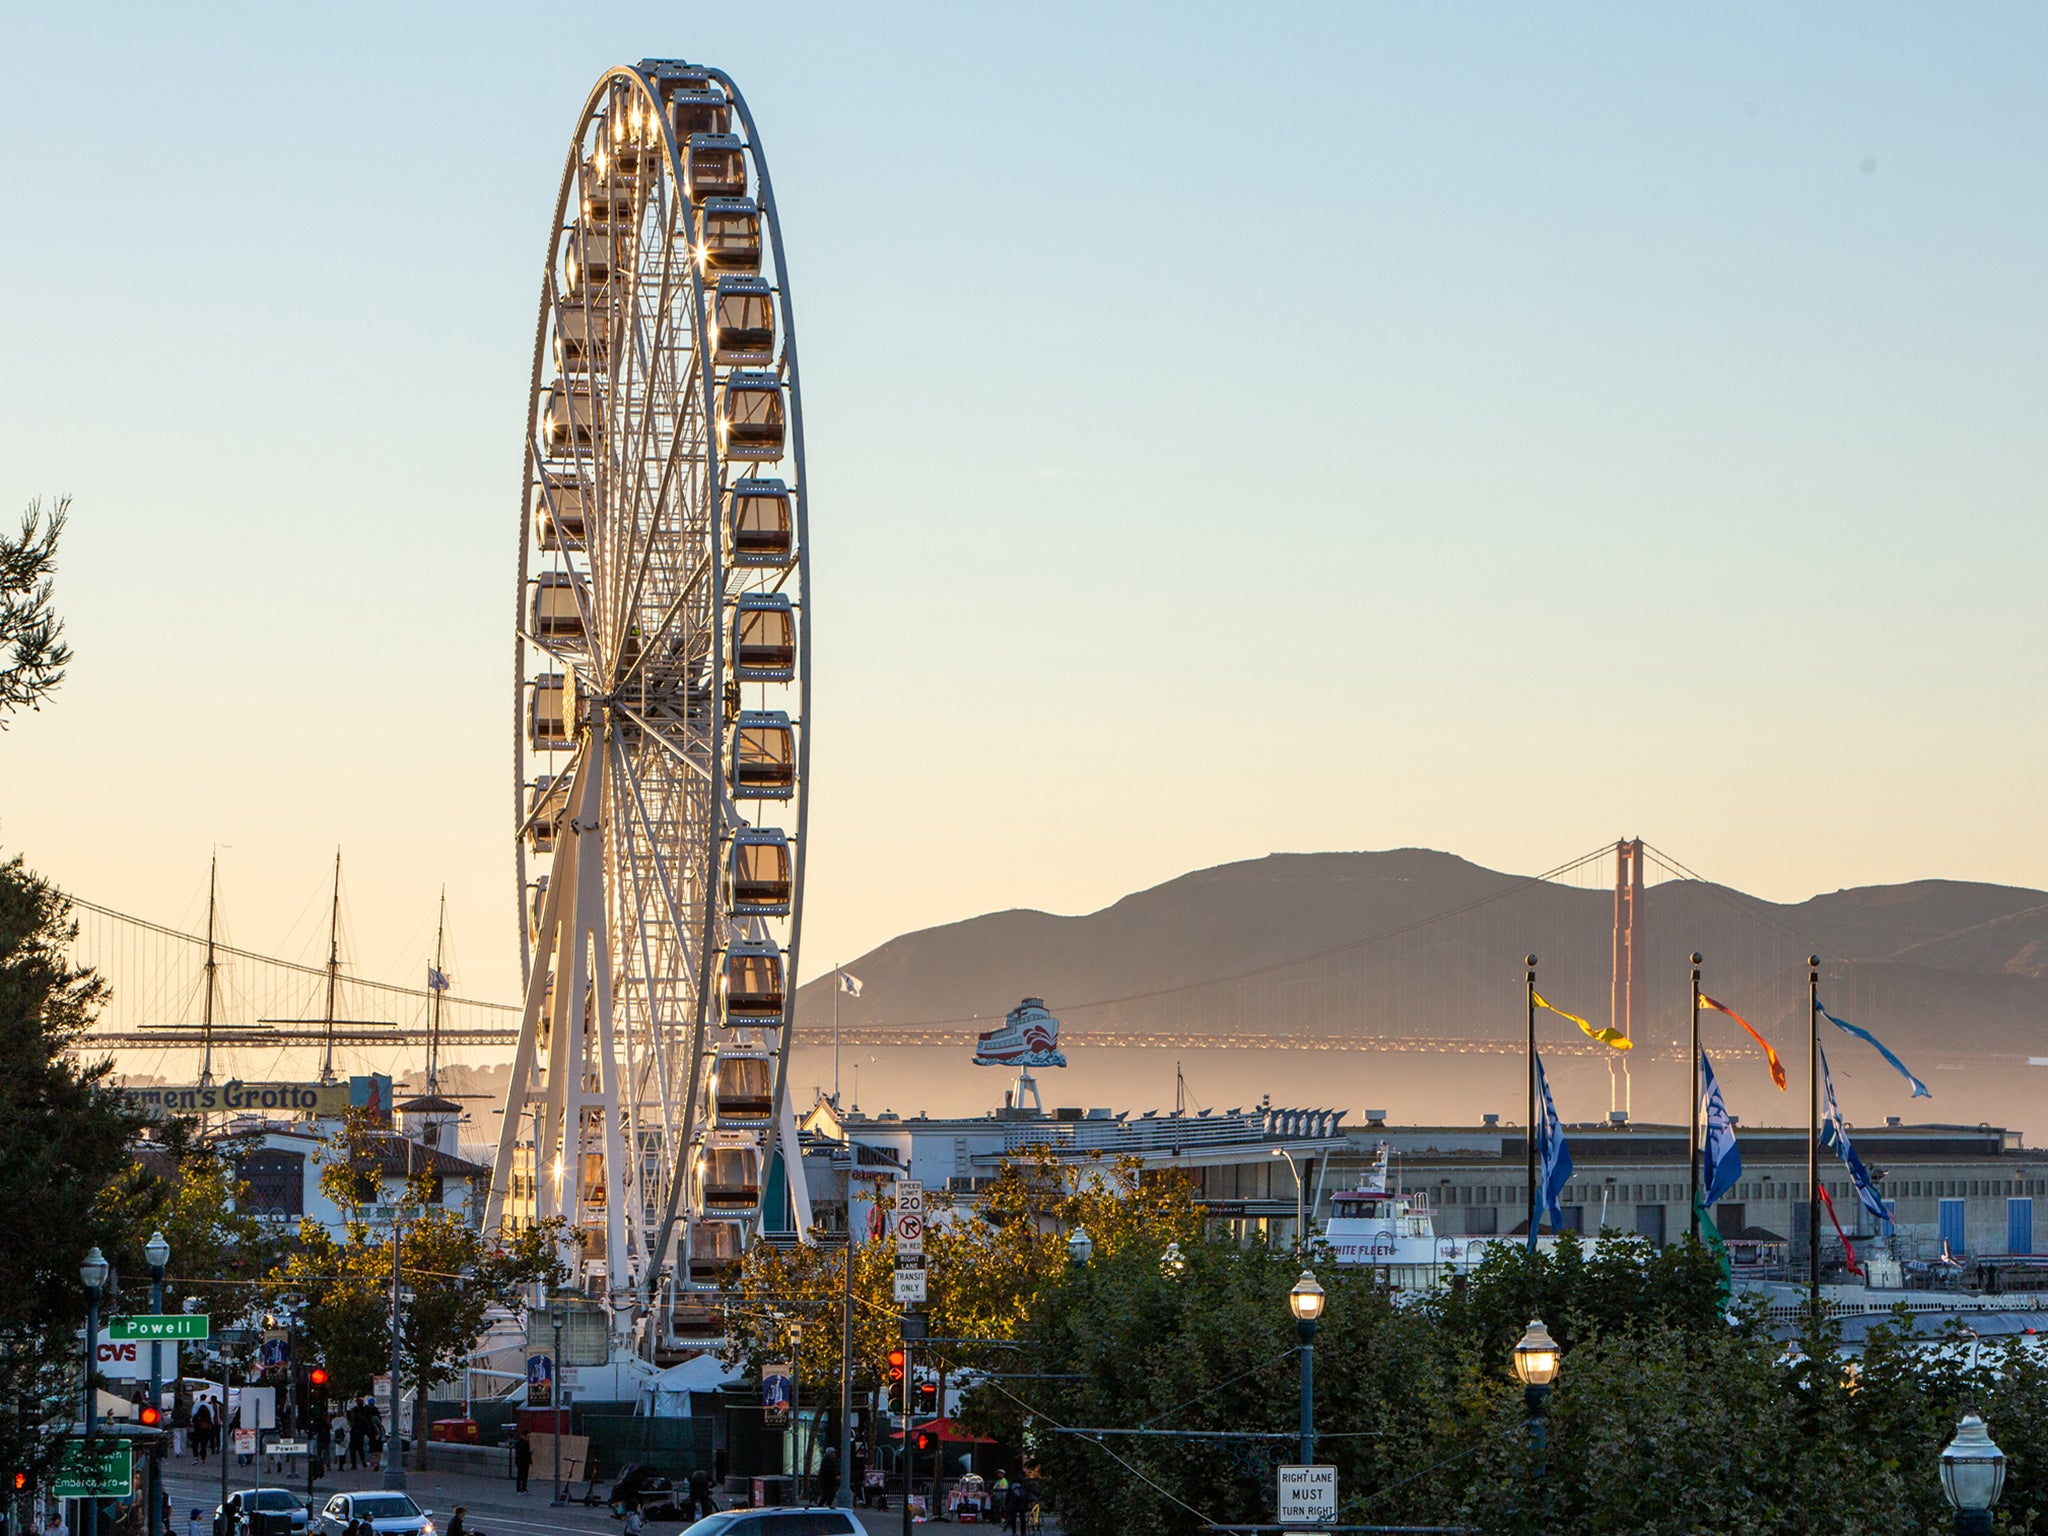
(1230, 430)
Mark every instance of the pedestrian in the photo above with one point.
(459, 1525)
(828, 1476)
(701, 1502)
(196, 1526)
(857, 1483)
(375, 1420)
(634, 1524)
(54, 1526)
(522, 1460)
(202, 1430)
(1013, 1509)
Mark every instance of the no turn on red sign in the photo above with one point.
(907, 1220)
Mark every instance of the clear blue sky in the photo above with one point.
(1232, 429)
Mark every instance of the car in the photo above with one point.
(389, 1514)
(261, 1501)
(814, 1520)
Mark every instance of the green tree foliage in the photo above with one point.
(1670, 1418)
(63, 1139)
(33, 654)
(339, 1288)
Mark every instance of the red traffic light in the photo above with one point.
(896, 1358)
(924, 1442)
(318, 1376)
(151, 1417)
(20, 1481)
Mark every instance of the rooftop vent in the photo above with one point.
(1375, 1117)
(1892, 1120)
(1490, 1120)
(1617, 1117)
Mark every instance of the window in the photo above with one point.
(1731, 1216)
(277, 1182)
(1482, 1221)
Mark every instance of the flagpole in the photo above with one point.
(1813, 1129)
(1693, 1124)
(838, 986)
(1532, 1098)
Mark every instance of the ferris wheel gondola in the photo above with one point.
(662, 699)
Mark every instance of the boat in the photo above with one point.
(1395, 1233)
(1029, 1036)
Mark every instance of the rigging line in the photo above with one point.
(1519, 883)
(319, 972)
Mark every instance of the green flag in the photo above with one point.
(1712, 1234)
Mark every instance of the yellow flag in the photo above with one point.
(1613, 1037)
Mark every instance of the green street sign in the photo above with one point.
(149, 1329)
(108, 1473)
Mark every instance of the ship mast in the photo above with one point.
(333, 970)
(212, 970)
(437, 984)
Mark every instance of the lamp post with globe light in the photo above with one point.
(158, 1255)
(1080, 1247)
(94, 1273)
(1305, 1301)
(1972, 1476)
(1537, 1360)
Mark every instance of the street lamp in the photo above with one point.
(1300, 1201)
(1080, 1246)
(94, 1273)
(158, 1253)
(1537, 1360)
(1305, 1301)
(1972, 1476)
(1172, 1263)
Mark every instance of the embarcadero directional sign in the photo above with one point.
(194, 1325)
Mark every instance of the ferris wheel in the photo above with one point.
(661, 699)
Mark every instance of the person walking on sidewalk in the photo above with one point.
(522, 1460)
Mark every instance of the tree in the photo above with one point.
(339, 1288)
(63, 1140)
(33, 654)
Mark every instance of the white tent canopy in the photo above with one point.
(669, 1391)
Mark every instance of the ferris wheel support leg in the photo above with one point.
(519, 1089)
(563, 1124)
(623, 1257)
(793, 1168)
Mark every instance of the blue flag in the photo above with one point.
(1920, 1089)
(1553, 1156)
(1834, 1135)
(1720, 1158)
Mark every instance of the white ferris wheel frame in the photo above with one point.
(633, 914)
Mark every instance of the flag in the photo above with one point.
(437, 980)
(1711, 1231)
(1613, 1037)
(1553, 1156)
(849, 983)
(1777, 1066)
(1920, 1089)
(1720, 1157)
(1834, 1135)
(1848, 1248)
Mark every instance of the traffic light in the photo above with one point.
(924, 1442)
(318, 1376)
(20, 1481)
(896, 1359)
(927, 1394)
(151, 1416)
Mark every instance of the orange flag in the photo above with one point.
(1777, 1066)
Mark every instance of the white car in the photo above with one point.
(814, 1521)
(389, 1514)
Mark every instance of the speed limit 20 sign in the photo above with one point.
(909, 1217)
